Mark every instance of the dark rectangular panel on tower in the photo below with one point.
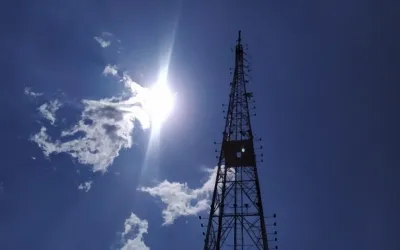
(239, 153)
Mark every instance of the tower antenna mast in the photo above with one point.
(236, 219)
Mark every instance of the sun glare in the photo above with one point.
(159, 103)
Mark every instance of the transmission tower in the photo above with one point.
(236, 220)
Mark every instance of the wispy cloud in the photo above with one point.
(103, 43)
(48, 110)
(105, 33)
(110, 70)
(85, 186)
(104, 129)
(28, 91)
(132, 237)
(180, 200)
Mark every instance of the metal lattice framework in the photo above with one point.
(236, 219)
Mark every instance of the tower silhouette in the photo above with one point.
(236, 220)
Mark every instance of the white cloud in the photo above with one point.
(110, 70)
(132, 237)
(85, 186)
(105, 33)
(29, 92)
(180, 200)
(103, 43)
(104, 129)
(48, 110)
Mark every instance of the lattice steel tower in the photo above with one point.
(236, 220)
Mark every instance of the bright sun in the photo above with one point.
(159, 103)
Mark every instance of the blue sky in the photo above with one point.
(324, 79)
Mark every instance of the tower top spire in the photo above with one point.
(239, 37)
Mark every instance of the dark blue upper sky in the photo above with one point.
(325, 81)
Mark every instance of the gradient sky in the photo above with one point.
(324, 78)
